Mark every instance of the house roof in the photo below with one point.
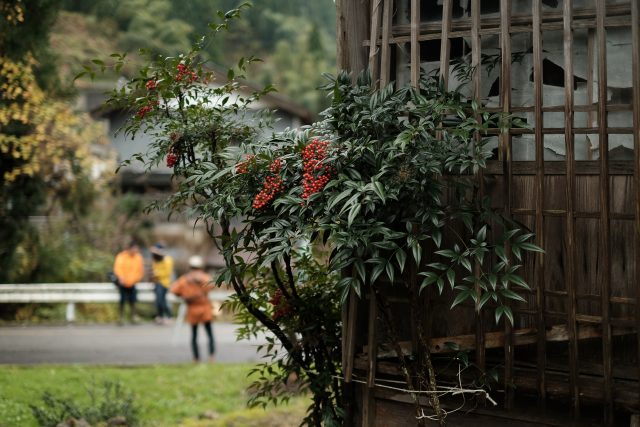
(271, 100)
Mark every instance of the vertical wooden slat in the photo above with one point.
(349, 317)
(415, 43)
(569, 274)
(635, 59)
(351, 31)
(505, 150)
(349, 346)
(539, 202)
(476, 81)
(385, 60)
(591, 37)
(605, 235)
(372, 342)
(445, 43)
(374, 62)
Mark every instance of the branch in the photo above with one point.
(276, 276)
(245, 299)
(287, 263)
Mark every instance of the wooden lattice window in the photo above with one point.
(571, 70)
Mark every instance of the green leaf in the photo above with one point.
(531, 247)
(517, 280)
(462, 296)
(359, 266)
(484, 298)
(353, 213)
(417, 251)
(378, 188)
(430, 278)
(506, 311)
(401, 257)
(437, 237)
(466, 264)
(501, 254)
(390, 271)
(451, 276)
(377, 270)
(508, 293)
(482, 234)
(447, 253)
(339, 197)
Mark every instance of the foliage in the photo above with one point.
(296, 39)
(313, 315)
(51, 158)
(166, 395)
(106, 402)
(388, 175)
(192, 124)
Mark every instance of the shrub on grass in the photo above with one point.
(108, 402)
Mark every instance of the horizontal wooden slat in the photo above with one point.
(557, 333)
(586, 167)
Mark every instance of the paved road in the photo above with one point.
(110, 344)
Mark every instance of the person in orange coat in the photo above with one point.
(129, 270)
(194, 287)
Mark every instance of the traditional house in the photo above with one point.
(571, 70)
(182, 234)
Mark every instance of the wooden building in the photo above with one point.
(571, 70)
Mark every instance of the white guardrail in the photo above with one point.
(72, 293)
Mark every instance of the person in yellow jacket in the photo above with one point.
(194, 288)
(161, 275)
(129, 270)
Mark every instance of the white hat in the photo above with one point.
(196, 261)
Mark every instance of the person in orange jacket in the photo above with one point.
(129, 270)
(194, 287)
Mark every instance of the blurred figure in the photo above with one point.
(194, 287)
(129, 270)
(161, 275)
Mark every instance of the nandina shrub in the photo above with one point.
(305, 218)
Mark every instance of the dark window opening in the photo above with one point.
(553, 75)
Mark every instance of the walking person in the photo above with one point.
(129, 270)
(161, 275)
(194, 287)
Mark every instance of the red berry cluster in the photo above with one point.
(243, 167)
(315, 175)
(271, 186)
(144, 110)
(282, 307)
(172, 158)
(151, 85)
(186, 74)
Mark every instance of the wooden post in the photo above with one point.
(539, 202)
(415, 43)
(351, 31)
(476, 81)
(445, 44)
(374, 57)
(505, 151)
(569, 276)
(605, 235)
(635, 59)
(385, 61)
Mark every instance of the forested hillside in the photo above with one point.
(294, 38)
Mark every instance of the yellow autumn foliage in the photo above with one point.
(43, 136)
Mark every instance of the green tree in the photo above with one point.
(45, 156)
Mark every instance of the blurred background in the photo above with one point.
(64, 212)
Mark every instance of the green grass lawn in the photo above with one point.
(166, 395)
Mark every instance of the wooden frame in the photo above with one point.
(558, 298)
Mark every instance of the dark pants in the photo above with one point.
(162, 308)
(194, 340)
(127, 295)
